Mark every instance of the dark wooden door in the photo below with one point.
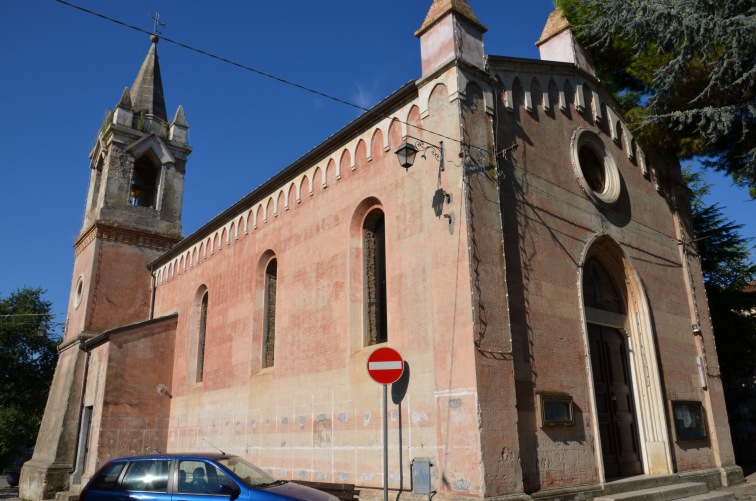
(614, 402)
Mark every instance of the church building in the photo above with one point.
(494, 221)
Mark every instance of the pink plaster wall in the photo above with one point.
(316, 415)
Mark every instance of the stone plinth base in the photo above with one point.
(42, 481)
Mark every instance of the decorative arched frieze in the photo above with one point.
(318, 179)
(597, 105)
(302, 181)
(565, 95)
(517, 94)
(579, 97)
(629, 142)
(345, 163)
(268, 209)
(426, 91)
(292, 194)
(537, 94)
(613, 122)
(413, 122)
(463, 80)
(257, 210)
(505, 81)
(330, 169)
(527, 92)
(281, 201)
(360, 154)
(376, 144)
(395, 134)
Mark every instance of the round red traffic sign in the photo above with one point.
(385, 365)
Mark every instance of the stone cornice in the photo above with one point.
(120, 234)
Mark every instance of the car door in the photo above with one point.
(144, 480)
(200, 480)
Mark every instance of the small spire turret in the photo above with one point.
(451, 31)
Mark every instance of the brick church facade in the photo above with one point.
(534, 267)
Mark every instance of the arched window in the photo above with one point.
(201, 338)
(144, 183)
(269, 316)
(599, 289)
(374, 270)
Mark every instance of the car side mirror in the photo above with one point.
(235, 492)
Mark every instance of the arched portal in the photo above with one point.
(628, 408)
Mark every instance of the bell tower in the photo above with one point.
(132, 215)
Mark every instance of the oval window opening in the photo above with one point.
(593, 168)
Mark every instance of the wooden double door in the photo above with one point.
(615, 407)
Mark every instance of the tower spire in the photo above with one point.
(147, 91)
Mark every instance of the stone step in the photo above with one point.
(67, 496)
(659, 493)
(639, 482)
(712, 496)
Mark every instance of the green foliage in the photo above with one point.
(27, 362)
(727, 267)
(685, 71)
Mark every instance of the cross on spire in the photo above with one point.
(157, 24)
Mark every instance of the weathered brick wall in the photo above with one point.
(548, 221)
(130, 416)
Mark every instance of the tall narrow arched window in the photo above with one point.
(269, 316)
(374, 271)
(144, 183)
(201, 338)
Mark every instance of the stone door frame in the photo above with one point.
(644, 371)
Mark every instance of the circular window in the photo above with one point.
(594, 167)
(78, 292)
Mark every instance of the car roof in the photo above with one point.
(179, 455)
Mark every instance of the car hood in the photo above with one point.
(294, 490)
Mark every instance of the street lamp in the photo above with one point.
(407, 151)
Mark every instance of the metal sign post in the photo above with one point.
(385, 366)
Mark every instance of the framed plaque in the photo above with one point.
(690, 420)
(555, 409)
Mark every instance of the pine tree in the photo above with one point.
(685, 72)
(727, 268)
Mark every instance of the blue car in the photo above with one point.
(192, 477)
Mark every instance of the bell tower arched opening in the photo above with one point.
(145, 179)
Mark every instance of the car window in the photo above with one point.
(201, 477)
(107, 478)
(247, 472)
(146, 475)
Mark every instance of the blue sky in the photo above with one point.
(63, 68)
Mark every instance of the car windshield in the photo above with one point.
(247, 472)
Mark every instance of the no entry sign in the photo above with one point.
(385, 365)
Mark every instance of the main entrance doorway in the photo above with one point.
(614, 402)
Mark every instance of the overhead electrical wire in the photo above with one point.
(255, 70)
(307, 89)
